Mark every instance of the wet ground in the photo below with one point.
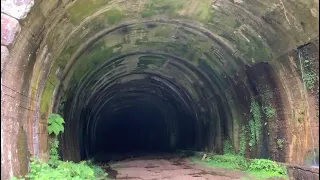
(170, 167)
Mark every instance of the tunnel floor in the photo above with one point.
(170, 166)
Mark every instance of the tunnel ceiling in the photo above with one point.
(183, 58)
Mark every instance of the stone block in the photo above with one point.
(9, 28)
(4, 56)
(16, 8)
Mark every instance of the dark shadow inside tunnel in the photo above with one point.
(132, 128)
(162, 105)
(140, 116)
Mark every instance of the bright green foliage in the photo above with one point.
(257, 168)
(269, 111)
(309, 76)
(63, 170)
(55, 124)
(258, 165)
(55, 169)
(243, 143)
(228, 161)
(227, 147)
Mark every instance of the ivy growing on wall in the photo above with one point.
(255, 123)
(309, 75)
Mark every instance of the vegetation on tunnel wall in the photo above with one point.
(309, 75)
(255, 124)
(57, 169)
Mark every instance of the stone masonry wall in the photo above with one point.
(14, 102)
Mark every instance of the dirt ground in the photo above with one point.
(167, 168)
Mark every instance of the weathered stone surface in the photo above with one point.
(302, 172)
(16, 8)
(4, 56)
(9, 28)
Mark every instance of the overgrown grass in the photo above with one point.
(56, 169)
(257, 168)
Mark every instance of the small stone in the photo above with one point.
(4, 56)
(16, 8)
(9, 28)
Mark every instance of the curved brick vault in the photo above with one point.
(197, 64)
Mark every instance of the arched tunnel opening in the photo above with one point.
(157, 77)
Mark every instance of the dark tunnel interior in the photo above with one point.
(141, 119)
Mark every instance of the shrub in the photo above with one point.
(267, 166)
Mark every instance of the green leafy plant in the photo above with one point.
(228, 161)
(259, 165)
(55, 168)
(269, 111)
(55, 124)
(53, 151)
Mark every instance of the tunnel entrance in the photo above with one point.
(149, 76)
(144, 115)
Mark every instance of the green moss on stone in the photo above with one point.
(114, 16)
(46, 99)
(161, 7)
(204, 11)
(81, 9)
